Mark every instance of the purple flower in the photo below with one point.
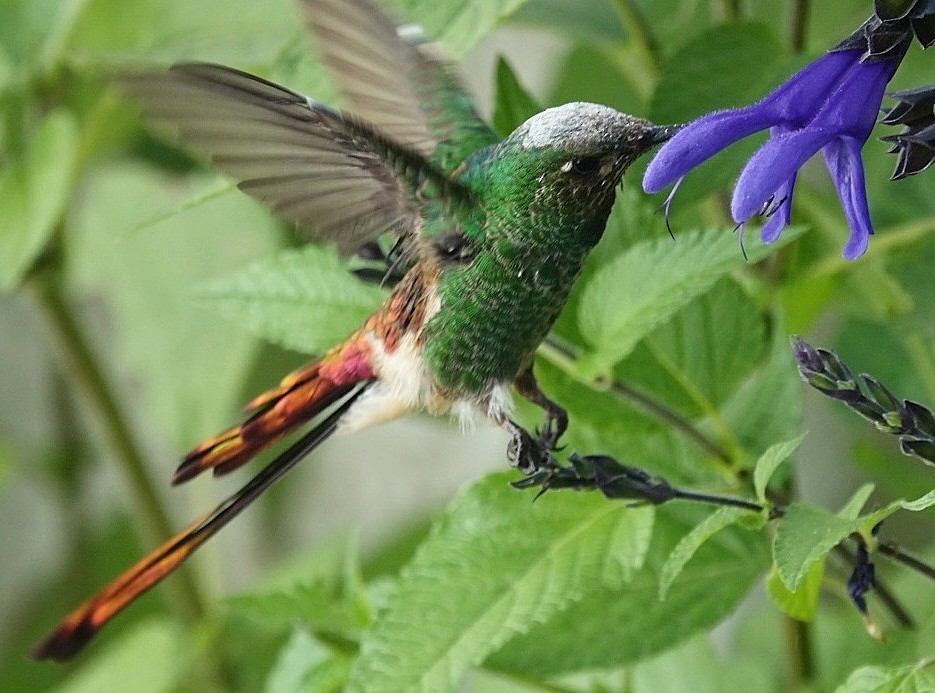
(830, 106)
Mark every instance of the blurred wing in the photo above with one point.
(337, 178)
(389, 77)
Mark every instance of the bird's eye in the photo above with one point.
(583, 166)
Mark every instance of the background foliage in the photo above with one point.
(136, 284)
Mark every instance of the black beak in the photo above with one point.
(657, 134)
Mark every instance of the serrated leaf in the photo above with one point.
(492, 567)
(317, 604)
(801, 604)
(769, 461)
(301, 299)
(691, 542)
(614, 626)
(645, 286)
(914, 678)
(697, 359)
(514, 104)
(33, 195)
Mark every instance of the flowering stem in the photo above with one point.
(800, 9)
(79, 365)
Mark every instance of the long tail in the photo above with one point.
(74, 632)
(299, 397)
(341, 376)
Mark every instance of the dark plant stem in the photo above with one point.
(798, 25)
(669, 417)
(893, 552)
(648, 406)
(725, 501)
(732, 9)
(80, 367)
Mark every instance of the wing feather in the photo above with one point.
(337, 178)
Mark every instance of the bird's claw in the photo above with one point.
(528, 454)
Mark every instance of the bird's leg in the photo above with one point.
(556, 418)
(527, 453)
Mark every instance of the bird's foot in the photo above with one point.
(529, 454)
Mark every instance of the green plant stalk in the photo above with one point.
(799, 646)
(79, 365)
(631, 16)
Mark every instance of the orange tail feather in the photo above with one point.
(74, 632)
(299, 397)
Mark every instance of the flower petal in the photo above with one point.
(797, 99)
(854, 104)
(842, 157)
(781, 216)
(771, 166)
(698, 141)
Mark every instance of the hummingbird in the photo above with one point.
(492, 234)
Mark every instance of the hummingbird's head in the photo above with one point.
(563, 164)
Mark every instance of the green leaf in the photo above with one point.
(305, 664)
(614, 626)
(645, 286)
(697, 359)
(806, 534)
(514, 104)
(691, 542)
(802, 604)
(769, 461)
(696, 666)
(301, 299)
(768, 406)
(458, 24)
(856, 502)
(318, 604)
(913, 678)
(33, 195)
(149, 657)
(492, 567)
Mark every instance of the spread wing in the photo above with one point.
(391, 78)
(337, 178)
